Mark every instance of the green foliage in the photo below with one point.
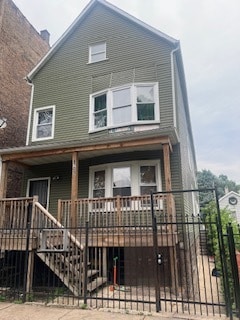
(212, 226)
(207, 180)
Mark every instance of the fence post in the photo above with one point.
(28, 257)
(85, 264)
(234, 266)
(223, 258)
(155, 256)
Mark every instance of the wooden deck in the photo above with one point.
(17, 241)
(111, 222)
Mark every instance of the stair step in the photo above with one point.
(96, 283)
(92, 273)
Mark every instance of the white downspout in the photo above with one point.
(30, 111)
(173, 86)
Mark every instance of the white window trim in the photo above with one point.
(35, 120)
(134, 121)
(90, 47)
(135, 175)
(38, 179)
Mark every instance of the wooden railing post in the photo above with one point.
(59, 211)
(3, 179)
(118, 211)
(74, 192)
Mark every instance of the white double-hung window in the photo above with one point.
(137, 103)
(121, 106)
(97, 52)
(43, 123)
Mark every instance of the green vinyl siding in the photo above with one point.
(134, 54)
(186, 159)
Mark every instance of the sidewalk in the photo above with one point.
(11, 311)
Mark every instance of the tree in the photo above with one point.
(207, 180)
(213, 229)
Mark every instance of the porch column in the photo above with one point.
(3, 179)
(167, 168)
(74, 192)
(171, 215)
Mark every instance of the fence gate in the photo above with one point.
(198, 258)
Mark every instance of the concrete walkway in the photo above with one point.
(11, 311)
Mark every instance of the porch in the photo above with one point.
(76, 254)
(111, 218)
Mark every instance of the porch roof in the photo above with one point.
(93, 147)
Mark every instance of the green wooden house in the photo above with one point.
(108, 125)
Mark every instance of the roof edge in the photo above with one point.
(80, 17)
(228, 194)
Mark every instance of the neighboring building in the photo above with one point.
(109, 123)
(21, 47)
(231, 201)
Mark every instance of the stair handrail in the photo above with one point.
(58, 224)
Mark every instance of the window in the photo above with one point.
(121, 106)
(99, 184)
(100, 111)
(43, 123)
(121, 181)
(124, 106)
(125, 179)
(145, 103)
(97, 52)
(148, 182)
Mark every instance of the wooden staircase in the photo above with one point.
(64, 254)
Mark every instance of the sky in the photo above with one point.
(209, 34)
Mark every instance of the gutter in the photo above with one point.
(29, 82)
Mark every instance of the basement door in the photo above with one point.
(40, 188)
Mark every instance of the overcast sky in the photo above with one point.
(209, 33)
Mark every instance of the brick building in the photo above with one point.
(21, 47)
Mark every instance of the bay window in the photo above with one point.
(124, 106)
(130, 178)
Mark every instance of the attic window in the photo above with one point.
(97, 52)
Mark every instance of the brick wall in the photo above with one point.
(21, 47)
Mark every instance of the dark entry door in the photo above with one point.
(39, 188)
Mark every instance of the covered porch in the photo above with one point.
(74, 153)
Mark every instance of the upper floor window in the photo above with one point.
(43, 123)
(123, 106)
(97, 52)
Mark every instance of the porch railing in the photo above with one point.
(14, 213)
(118, 211)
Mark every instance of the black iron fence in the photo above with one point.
(166, 264)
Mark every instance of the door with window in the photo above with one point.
(40, 188)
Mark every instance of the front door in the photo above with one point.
(40, 188)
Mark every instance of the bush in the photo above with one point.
(212, 225)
